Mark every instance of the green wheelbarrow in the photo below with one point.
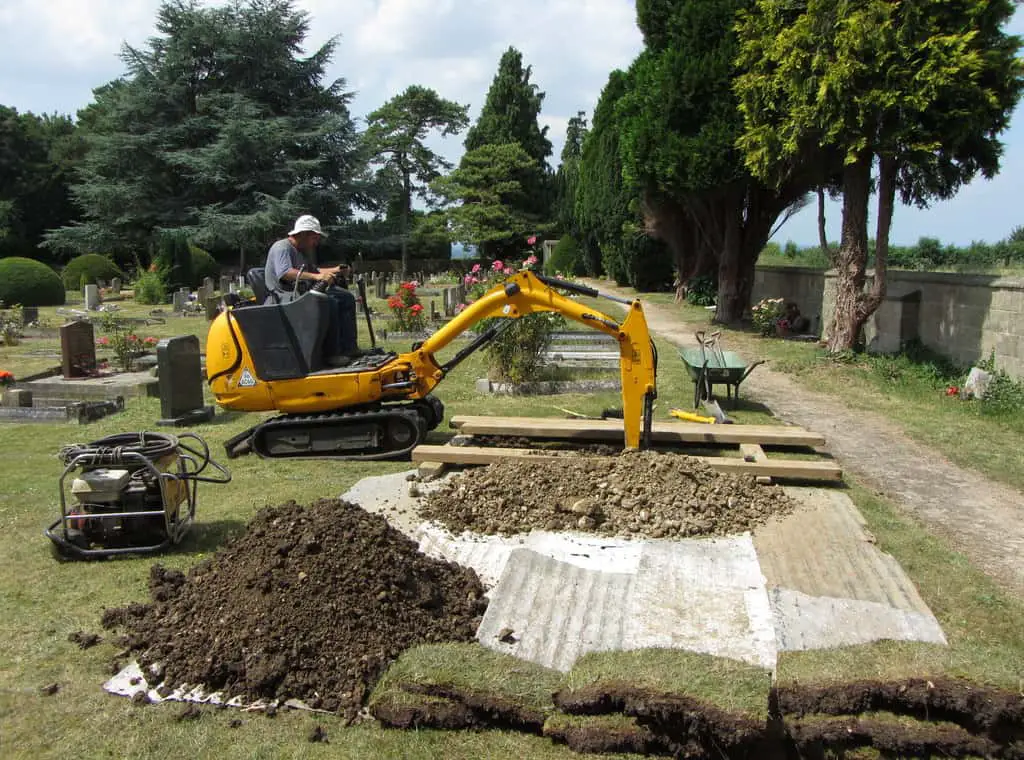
(708, 365)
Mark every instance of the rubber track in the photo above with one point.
(330, 419)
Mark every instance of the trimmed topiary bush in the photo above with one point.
(30, 283)
(88, 269)
(203, 265)
(566, 258)
(174, 259)
(149, 288)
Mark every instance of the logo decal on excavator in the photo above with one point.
(246, 380)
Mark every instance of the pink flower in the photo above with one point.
(497, 266)
(530, 260)
(532, 240)
(460, 308)
(508, 270)
(475, 269)
(416, 308)
(150, 341)
(104, 341)
(468, 279)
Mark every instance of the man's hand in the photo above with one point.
(328, 274)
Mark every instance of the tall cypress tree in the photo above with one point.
(510, 115)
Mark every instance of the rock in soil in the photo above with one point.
(309, 603)
(642, 494)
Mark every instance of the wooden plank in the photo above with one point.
(779, 468)
(430, 470)
(662, 432)
(751, 452)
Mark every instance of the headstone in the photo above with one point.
(29, 314)
(233, 288)
(202, 294)
(241, 281)
(17, 397)
(382, 288)
(77, 350)
(115, 286)
(92, 297)
(212, 305)
(225, 284)
(208, 284)
(178, 301)
(434, 315)
(181, 382)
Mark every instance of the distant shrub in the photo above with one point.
(174, 259)
(89, 269)
(203, 265)
(565, 258)
(701, 291)
(29, 283)
(150, 288)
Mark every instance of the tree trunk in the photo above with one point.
(733, 290)
(851, 258)
(241, 259)
(822, 234)
(886, 201)
(406, 202)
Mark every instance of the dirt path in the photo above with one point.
(979, 517)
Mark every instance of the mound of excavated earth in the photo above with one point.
(632, 494)
(309, 603)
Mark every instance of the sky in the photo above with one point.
(453, 46)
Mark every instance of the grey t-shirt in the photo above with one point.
(282, 257)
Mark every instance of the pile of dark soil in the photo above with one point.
(310, 603)
(632, 494)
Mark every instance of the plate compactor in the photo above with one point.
(130, 493)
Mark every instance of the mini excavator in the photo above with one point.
(377, 404)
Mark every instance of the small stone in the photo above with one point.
(318, 735)
(50, 689)
(586, 523)
(505, 636)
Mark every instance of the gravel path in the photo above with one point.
(979, 517)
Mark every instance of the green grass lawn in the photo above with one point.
(42, 600)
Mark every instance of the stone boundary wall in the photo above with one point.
(966, 317)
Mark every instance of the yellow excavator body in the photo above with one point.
(261, 358)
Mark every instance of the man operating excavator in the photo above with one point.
(288, 268)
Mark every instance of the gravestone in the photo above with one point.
(181, 382)
(434, 315)
(115, 286)
(92, 297)
(208, 285)
(15, 398)
(29, 314)
(212, 305)
(77, 350)
(178, 300)
(225, 284)
(382, 287)
(202, 294)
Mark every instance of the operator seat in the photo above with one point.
(256, 279)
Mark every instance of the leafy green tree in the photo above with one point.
(919, 90)
(567, 178)
(37, 157)
(603, 197)
(679, 125)
(221, 127)
(395, 138)
(487, 193)
(509, 115)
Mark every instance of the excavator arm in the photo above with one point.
(529, 293)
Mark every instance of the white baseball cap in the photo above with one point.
(307, 223)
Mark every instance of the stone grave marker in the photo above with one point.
(92, 297)
(434, 315)
(225, 284)
(29, 314)
(212, 306)
(208, 285)
(382, 287)
(181, 382)
(77, 350)
(115, 286)
(178, 300)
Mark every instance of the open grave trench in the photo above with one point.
(557, 574)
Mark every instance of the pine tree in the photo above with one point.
(220, 127)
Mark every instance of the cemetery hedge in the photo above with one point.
(30, 283)
(88, 269)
